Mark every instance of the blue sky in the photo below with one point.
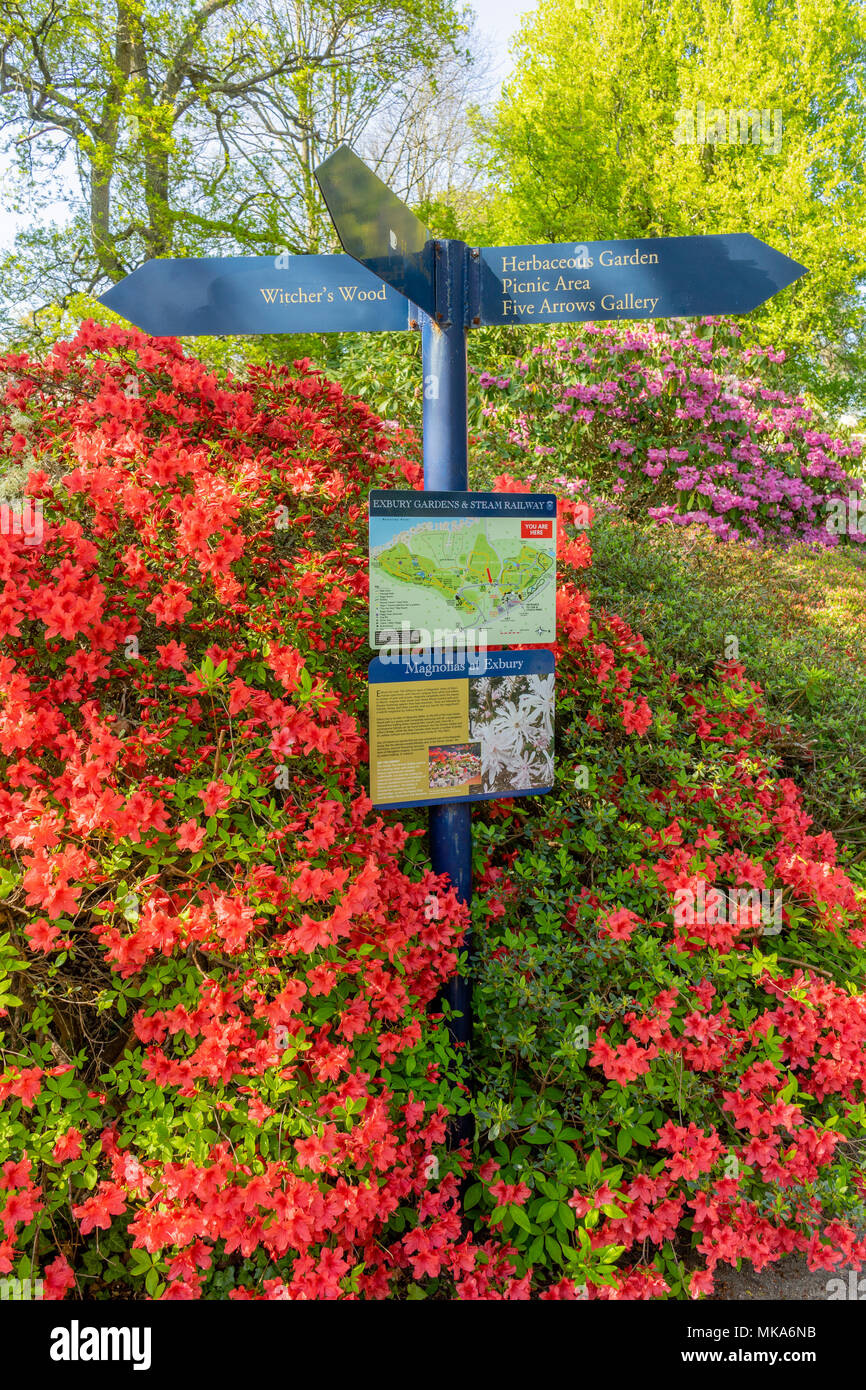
(498, 21)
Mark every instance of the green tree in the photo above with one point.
(192, 126)
(598, 135)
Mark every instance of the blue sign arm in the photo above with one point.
(646, 278)
(220, 295)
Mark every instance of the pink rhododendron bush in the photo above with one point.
(224, 1070)
(687, 428)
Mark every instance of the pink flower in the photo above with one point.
(191, 835)
(215, 797)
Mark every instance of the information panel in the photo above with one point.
(453, 727)
(470, 569)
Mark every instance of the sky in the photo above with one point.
(498, 21)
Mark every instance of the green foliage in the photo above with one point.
(590, 141)
(797, 618)
(549, 982)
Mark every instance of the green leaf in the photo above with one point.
(519, 1217)
(623, 1142)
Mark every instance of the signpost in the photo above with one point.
(436, 726)
(396, 276)
(257, 294)
(376, 228)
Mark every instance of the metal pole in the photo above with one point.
(446, 469)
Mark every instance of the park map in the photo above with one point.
(465, 575)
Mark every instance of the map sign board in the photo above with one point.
(257, 294)
(376, 228)
(448, 726)
(645, 278)
(473, 569)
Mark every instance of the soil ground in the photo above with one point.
(789, 1280)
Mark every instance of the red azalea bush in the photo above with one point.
(672, 1068)
(220, 1074)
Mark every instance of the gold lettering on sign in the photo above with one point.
(562, 295)
(533, 262)
(350, 294)
(627, 302)
(610, 258)
(298, 296)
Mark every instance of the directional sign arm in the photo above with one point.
(376, 228)
(646, 278)
(256, 294)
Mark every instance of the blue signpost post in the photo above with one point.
(445, 437)
(395, 276)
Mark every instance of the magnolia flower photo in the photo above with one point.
(512, 717)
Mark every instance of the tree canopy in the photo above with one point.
(193, 126)
(668, 117)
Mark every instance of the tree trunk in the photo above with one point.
(104, 152)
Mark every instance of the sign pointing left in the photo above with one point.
(218, 295)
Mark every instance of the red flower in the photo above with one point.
(636, 716)
(98, 1210)
(619, 924)
(67, 1146)
(58, 1279)
(172, 656)
(172, 603)
(41, 934)
(514, 1194)
(215, 797)
(190, 834)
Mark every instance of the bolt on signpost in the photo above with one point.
(395, 276)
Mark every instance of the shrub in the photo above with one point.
(795, 618)
(684, 429)
(224, 1070)
(219, 1072)
(669, 1077)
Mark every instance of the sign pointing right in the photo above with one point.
(647, 278)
